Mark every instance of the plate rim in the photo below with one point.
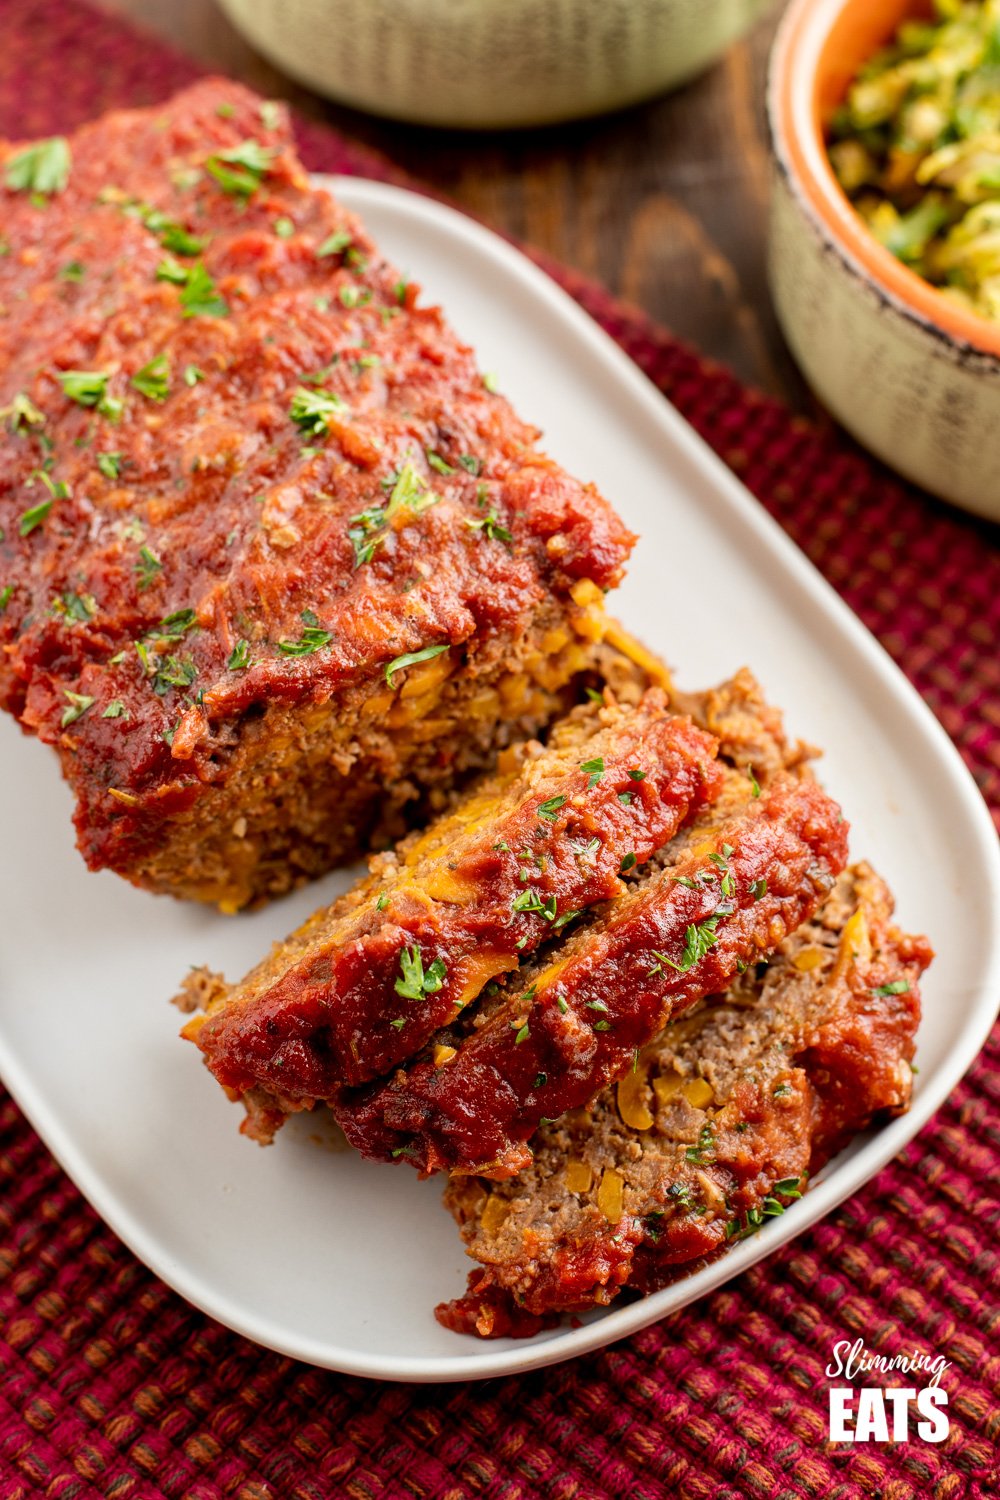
(486, 1361)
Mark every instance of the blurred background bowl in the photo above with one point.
(486, 64)
(914, 376)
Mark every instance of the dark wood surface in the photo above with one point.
(666, 203)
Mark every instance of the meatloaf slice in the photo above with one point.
(716, 1128)
(729, 887)
(275, 557)
(364, 983)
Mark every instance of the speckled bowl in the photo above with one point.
(912, 375)
(491, 63)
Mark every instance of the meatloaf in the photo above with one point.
(364, 983)
(725, 891)
(275, 556)
(715, 1128)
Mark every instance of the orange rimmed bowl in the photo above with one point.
(913, 376)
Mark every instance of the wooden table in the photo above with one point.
(665, 203)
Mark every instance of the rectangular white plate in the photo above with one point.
(314, 1252)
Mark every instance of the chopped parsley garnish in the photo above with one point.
(198, 296)
(110, 464)
(90, 388)
(176, 239)
(170, 270)
(40, 168)
(364, 532)
(73, 270)
(171, 672)
(896, 987)
(470, 463)
(627, 863)
(115, 710)
(313, 637)
(551, 808)
(381, 901)
(491, 526)
(22, 412)
(176, 625)
(437, 463)
(529, 900)
(759, 888)
(754, 783)
(399, 290)
(153, 380)
(239, 657)
(411, 490)
(637, 775)
(698, 938)
(35, 516)
(595, 768)
(625, 798)
(355, 296)
(311, 410)
(76, 706)
(5, 594)
(564, 916)
(788, 1187)
(523, 1032)
(410, 659)
(781, 1091)
(240, 171)
(491, 382)
(416, 982)
(706, 1144)
(148, 566)
(72, 606)
(192, 375)
(335, 243)
(284, 227)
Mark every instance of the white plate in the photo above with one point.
(340, 1262)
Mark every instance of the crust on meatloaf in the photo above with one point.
(244, 471)
(364, 983)
(715, 1129)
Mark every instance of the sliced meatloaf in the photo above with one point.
(715, 1128)
(363, 984)
(724, 892)
(275, 557)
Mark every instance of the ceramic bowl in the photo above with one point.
(491, 63)
(913, 376)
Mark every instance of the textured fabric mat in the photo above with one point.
(112, 1386)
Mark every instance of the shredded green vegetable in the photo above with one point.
(916, 147)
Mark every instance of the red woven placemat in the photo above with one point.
(112, 1386)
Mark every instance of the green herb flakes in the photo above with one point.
(550, 809)
(410, 659)
(895, 987)
(313, 637)
(110, 464)
(415, 982)
(147, 568)
(76, 706)
(311, 410)
(239, 657)
(40, 168)
(153, 380)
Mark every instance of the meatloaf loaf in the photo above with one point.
(723, 893)
(363, 984)
(275, 557)
(715, 1129)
